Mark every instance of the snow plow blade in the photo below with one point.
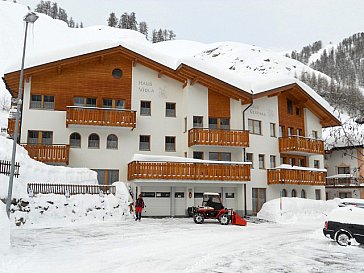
(237, 220)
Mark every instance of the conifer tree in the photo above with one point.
(112, 21)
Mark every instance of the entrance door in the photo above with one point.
(258, 199)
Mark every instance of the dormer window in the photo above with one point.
(289, 107)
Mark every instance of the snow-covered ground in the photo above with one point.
(4, 230)
(178, 245)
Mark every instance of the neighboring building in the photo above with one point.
(146, 119)
(345, 172)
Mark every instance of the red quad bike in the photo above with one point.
(212, 208)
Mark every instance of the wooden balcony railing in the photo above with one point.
(344, 182)
(297, 177)
(100, 116)
(5, 168)
(301, 144)
(49, 153)
(71, 189)
(188, 171)
(218, 137)
(11, 126)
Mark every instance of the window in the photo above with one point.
(273, 130)
(170, 109)
(284, 193)
(291, 161)
(294, 193)
(213, 156)
(289, 107)
(81, 101)
(198, 155)
(225, 156)
(290, 131)
(345, 195)
(298, 111)
(179, 195)
(162, 194)
(170, 144)
(112, 142)
(113, 103)
(148, 194)
(42, 102)
(316, 164)
(261, 162)
(255, 126)
(75, 140)
(318, 194)
(281, 131)
(94, 141)
(40, 137)
(249, 158)
(303, 193)
(282, 160)
(314, 134)
(198, 195)
(107, 177)
(300, 162)
(117, 73)
(299, 132)
(272, 161)
(229, 195)
(144, 143)
(219, 123)
(145, 108)
(213, 123)
(219, 156)
(343, 170)
(197, 122)
(224, 123)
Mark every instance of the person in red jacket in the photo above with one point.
(139, 205)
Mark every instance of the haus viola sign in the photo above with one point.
(255, 110)
(145, 86)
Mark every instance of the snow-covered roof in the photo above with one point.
(341, 176)
(289, 167)
(160, 158)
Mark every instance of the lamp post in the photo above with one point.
(31, 17)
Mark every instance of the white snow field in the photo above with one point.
(4, 230)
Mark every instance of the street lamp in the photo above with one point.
(31, 17)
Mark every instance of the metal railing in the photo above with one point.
(69, 189)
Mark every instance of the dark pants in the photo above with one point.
(138, 213)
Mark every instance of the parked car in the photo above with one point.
(351, 202)
(345, 224)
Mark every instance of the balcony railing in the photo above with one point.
(218, 137)
(49, 153)
(301, 145)
(69, 189)
(188, 171)
(344, 182)
(296, 177)
(100, 116)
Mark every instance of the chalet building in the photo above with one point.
(175, 129)
(345, 172)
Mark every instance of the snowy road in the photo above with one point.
(178, 245)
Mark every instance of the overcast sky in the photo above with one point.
(275, 24)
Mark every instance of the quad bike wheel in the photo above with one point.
(198, 218)
(224, 219)
(343, 238)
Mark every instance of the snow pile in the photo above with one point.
(49, 210)
(37, 172)
(4, 229)
(347, 215)
(296, 210)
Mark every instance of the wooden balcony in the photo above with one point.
(49, 153)
(11, 126)
(218, 137)
(301, 145)
(188, 171)
(296, 177)
(100, 117)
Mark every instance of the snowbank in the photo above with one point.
(297, 210)
(4, 229)
(37, 172)
(347, 215)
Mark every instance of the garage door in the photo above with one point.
(229, 199)
(157, 201)
(198, 196)
(180, 202)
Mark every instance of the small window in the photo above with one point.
(343, 170)
(78, 101)
(112, 142)
(36, 102)
(144, 143)
(225, 156)
(249, 158)
(272, 161)
(284, 193)
(179, 195)
(117, 73)
(120, 104)
(289, 107)
(273, 130)
(299, 132)
(282, 160)
(229, 195)
(214, 156)
(300, 162)
(163, 194)
(94, 141)
(314, 134)
(33, 137)
(318, 194)
(145, 108)
(198, 155)
(75, 140)
(90, 102)
(198, 195)
(213, 123)
(148, 194)
(48, 102)
(170, 109)
(261, 162)
(185, 124)
(42, 102)
(106, 103)
(255, 126)
(170, 144)
(294, 193)
(316, 164)
(290, 131)
(197, 122)
(291, 161)
(40, 137)
(281, 131)
(303, 193)
(81, 101)
(224, 123)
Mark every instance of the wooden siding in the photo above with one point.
(49, 153)
(188, 171)
(301, 144)
(100, 117)
(219, 105)
(11, 126)
(290, 120)
(91, 78)
(217, 137)
(296, 177)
